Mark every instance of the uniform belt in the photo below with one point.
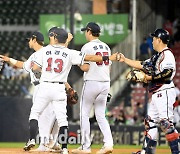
(36, 83)
(55, 82)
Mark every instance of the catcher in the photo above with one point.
(158, 71)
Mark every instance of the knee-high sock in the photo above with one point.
(33, 124)
(63, 132)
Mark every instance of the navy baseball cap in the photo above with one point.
(93, 27)
(51, 31)
(61, 34)
(38, 35)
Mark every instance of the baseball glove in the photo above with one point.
(72, 96)
(136, 75)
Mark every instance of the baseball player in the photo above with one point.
(54, 125)
(160, 111)
(46, 119)
(54, 63)
(91, 96)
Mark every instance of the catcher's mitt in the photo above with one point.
(72, 96)
(136, 75)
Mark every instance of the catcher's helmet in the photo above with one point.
(162, 34)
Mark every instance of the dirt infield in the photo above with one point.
(116, 151)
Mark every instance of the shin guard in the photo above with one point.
(174, 142)
(149, 145)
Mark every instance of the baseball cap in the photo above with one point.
(38, 35)
(162, 34)
(51, 31)
(61, 34)
(93, 27)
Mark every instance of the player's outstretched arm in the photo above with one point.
(133, 63)
(14, 62)
(130, 62)
(95, 58)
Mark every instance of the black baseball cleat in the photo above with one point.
(29, 145)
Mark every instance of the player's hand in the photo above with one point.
(4, 58)
(70, 37)
(113, 57)
(148, 77)
(121, 57)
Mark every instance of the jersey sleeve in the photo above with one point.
(28, 64)
(38, 58)
(77, 57)
(168, 61)
(85, 49)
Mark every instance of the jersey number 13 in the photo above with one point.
(59, 65)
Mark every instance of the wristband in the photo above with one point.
(13, 61)
(104, 58)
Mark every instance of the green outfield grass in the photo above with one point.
(21, 144)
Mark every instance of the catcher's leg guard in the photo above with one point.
(149, 145)
(171, 135)
(175, 146)
(147, 121)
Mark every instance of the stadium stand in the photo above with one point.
(19, 13)
(23, 12)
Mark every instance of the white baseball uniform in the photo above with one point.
(56, 62)
(161, 105)
(46, 120)
(94, 93)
